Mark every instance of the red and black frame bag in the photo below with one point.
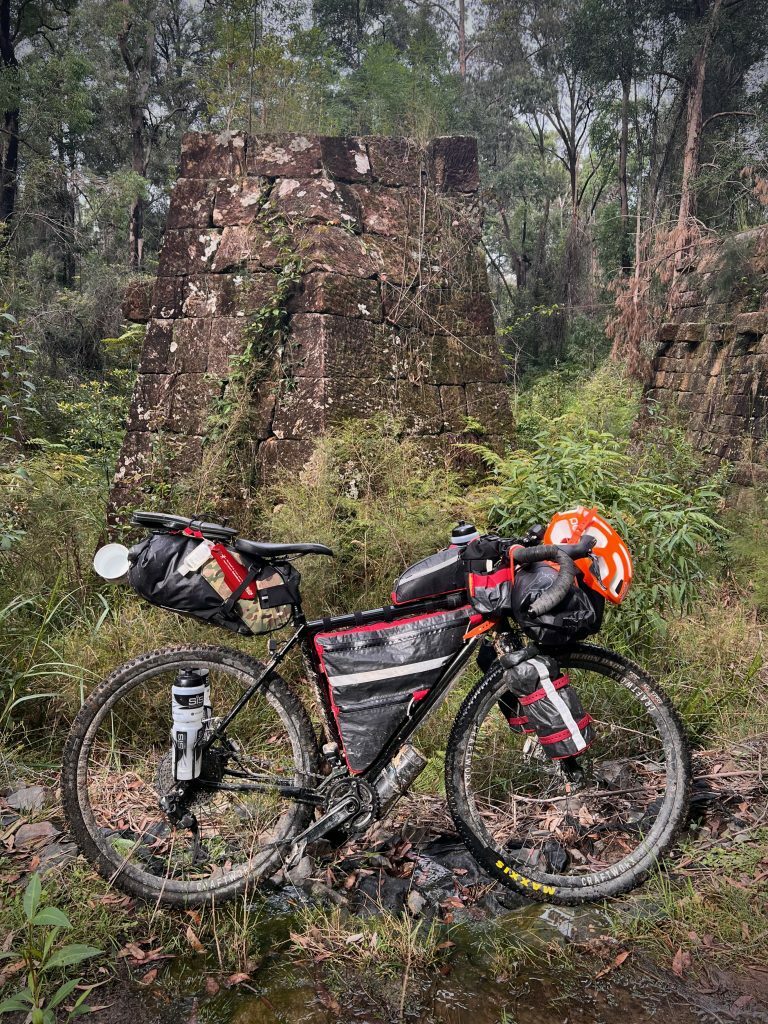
(374, 672)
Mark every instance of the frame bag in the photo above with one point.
(375, 673)
(176, 572)
(434, 576)
(542, 701)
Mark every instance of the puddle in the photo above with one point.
(466, 986)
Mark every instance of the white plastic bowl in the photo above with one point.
(111, 562)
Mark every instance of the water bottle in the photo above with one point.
(191, 702)
(463, 534)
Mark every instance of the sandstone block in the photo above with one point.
(386, 211)
(193, 396)
(345, 159)
(216, 295)
(227, 340)
(322, 292)
(188, 351)
(395, 161)
(751, 323)
(207, 155)
(667, 332)
(454, 404)
(284, 156)
(156, 350)
(167, 297)
(191, 204)
(318, 200)
(238, 201)
(137, 300)
(334, 250)
(489, 404)
(277, 457)
(188, 250)
(691, 332)
(151, 402)
(453, 163)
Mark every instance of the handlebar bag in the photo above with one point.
(489, 574)
(578, 615)
(159, 575)
(549, 706)
(434, 576)
(376, 672)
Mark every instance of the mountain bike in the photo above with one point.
(265, 776)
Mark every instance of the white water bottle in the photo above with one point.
(189, 694)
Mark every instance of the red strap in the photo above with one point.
(565, 734)
(531, 698)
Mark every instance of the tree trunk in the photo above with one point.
(139, 69)
(9, 141)
(462, 26)
(694, 122)
(623, 189)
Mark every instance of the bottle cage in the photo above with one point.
(609, 570)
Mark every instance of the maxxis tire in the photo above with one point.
(73, 771)
(623, 671)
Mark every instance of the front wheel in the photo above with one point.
(118, 765)
(585, 829)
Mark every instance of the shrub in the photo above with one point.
(652, 490)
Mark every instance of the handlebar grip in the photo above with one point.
(551, 597)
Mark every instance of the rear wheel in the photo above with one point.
(582, 829)
(118, 764)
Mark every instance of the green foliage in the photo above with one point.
(648, 489)
(42, 951)
(747, 550)
(369, 493)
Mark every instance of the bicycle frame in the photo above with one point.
(303, 637)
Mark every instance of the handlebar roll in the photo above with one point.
(551, 597)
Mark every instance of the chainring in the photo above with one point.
(366, 796)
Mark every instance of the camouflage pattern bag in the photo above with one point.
(258, 619)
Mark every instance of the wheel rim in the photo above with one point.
(125, 764)
(546, 832)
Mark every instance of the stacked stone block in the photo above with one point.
(712, 359)
(390, 310)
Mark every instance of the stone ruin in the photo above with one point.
(712, 357)
(387, 307)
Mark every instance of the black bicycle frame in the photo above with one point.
(303, 636)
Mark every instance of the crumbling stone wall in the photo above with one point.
(712, 357)
(389, 310)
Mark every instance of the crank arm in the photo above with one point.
(335, 817)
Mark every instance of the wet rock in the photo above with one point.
(299, 874)
(31, 835)
(29, 798)
(57, 856)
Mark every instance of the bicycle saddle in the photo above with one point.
(215, 531)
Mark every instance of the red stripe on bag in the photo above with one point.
(565, 734)
(483, 581)
(531, 698)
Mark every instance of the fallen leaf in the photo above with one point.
(328, 1000)
(416, 902)
(149, 977)
(236, 979)
(193, 940)
(211, 986)
(681, 961)
(445, 945)
(617, 961)
(351, 880)
(743, 1001)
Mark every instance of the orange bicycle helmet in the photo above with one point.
(610, 574)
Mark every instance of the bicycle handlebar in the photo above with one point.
(563, 555)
